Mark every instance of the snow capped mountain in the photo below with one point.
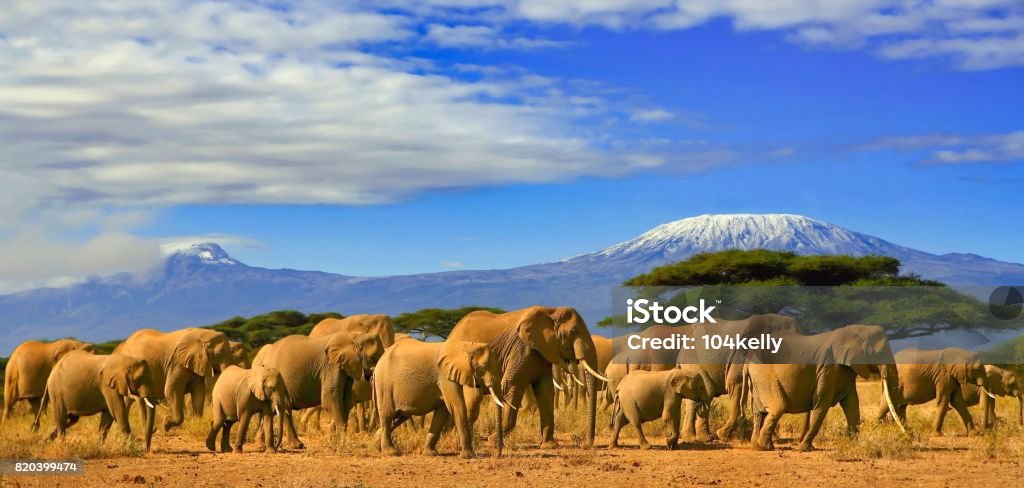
(201, 253)
(781, 232)
(202, 284)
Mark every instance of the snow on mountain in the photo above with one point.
(204, 253)
(201, 284)
(782, 232)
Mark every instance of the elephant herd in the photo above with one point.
(530, 356)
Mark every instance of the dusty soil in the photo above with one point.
(942, 462)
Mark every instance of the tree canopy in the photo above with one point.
(764, 267)
(822, 292)
(435, 322)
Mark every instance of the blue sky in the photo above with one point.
(419, 136)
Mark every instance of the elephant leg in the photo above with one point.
(243, 429)
(106, 420)
(198, 396)
(941, 405)
(817, 417)
(638, 425)
(544, 391)
(732, 416)
(763, 441)
(456, 405)
(266, 420)
(805, 425)
(618, 421)
(437, 424)
(225, 436)
(215, 425)
(1020, 408)
(293, 437)
(851, 409)
(689, 420)
(703, 423)
(672, 412)
(34, 405)
(961, 408)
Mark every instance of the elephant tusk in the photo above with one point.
(557, 386)
(892, 408)
(495, 397)
(277, 411)
(990, 395)
(148, 403)
(593, 373)
(577, 380)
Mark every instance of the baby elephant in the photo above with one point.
(649, 395)
(237, 396)
(83, 384)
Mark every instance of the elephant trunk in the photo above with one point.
(501, 431)
(589, 360)
(150, 419)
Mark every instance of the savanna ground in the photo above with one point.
(879, 456)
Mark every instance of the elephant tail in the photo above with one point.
(42, 406)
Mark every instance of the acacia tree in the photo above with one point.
(821, 291)
(435, 322)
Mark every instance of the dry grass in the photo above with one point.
(81, 441)
(875, 441)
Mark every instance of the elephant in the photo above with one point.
(238, 395)
(181, 362)
(417, 378)
(722, 368)
(378, 324)
(29, 366)
(649, 395)
(822, 373)
(1002, 382)
(83, 384)
(321, 371)
(528, 343)
(239, 356)
(943, 375)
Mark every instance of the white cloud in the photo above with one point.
(452, 264)
(976, 34)
(170, 245)
(651, 115)
(484, 37)
(958, 148)
(113, 106)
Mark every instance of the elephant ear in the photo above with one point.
(116, 379)
(194, 356)
(255, 379)
(537, 330)
(456, 363)
(683, 383)
(848, 349)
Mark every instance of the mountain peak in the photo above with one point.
(683, 238)
(203, 252)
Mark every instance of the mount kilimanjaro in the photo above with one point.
(203, 284)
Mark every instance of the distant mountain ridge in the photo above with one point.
(203, 284)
